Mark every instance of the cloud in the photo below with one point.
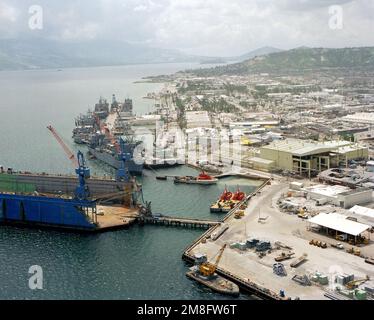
(7, 12)
(206, 27)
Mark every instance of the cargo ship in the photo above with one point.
(227, 201)
(202, 178)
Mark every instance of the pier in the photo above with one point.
(245, 284)
(178, 222)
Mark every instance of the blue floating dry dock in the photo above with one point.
(48, 211)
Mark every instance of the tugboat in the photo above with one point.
(204, 272)
(238, 196)
(227, 201)
(202, 178)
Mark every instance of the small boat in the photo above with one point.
(238, 196)
(202, 178)
(161, 178)
(226, 195)
(227, 201)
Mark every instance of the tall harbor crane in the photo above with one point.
(81, 192)
(122, 173)
(208, 269)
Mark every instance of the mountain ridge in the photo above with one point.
(298, 59)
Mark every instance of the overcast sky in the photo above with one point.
(203, 27)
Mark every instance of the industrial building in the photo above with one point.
(198, 119)
(352, 178)
(360, 117)
(340, 196)
(340, 224)
(307, 157)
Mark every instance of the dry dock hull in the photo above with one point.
(57, 184)
(217, 284)
(53, 212)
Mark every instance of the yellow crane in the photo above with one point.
(355, 283)
(207, 269)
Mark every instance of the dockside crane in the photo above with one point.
(122, 173)
(208, 269)
(82, 191)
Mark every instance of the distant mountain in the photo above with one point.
(255, 53)
(40, 53)
(297, 60)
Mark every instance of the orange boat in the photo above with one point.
(226, 195)
(238, 195)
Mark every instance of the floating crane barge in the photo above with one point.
(57, 201)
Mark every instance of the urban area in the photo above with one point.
(306, 138)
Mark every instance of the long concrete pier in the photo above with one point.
(178, 222)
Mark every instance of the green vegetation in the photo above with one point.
(196, 87)
(298, 60)
(181, 108)
(231, 89)
(217, 106)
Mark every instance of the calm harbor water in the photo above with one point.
(139, 263)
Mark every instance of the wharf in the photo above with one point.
(254, 273)
(245, 284)
(178, 222)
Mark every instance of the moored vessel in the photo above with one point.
(204, 272)
(227, 201)
(202, 178)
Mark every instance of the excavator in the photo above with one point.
(208, 269)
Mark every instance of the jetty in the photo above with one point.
(177, 222)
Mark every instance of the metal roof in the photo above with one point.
(340, 223)
(368, 212)
(302, 148)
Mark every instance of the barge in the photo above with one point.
(215, 283)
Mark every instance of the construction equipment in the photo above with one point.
(298, 261)
(355, 283)
(284, 256)
(208, 269)
(337, 246)
(354, 251)
(279, 269)
(81, 192)
(239, 214)
(318, 243)
(303, 280)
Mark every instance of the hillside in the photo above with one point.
(18, 54)
(298, 60)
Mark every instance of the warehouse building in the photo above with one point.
(308, 158)
(340, 224)
(339, 195)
